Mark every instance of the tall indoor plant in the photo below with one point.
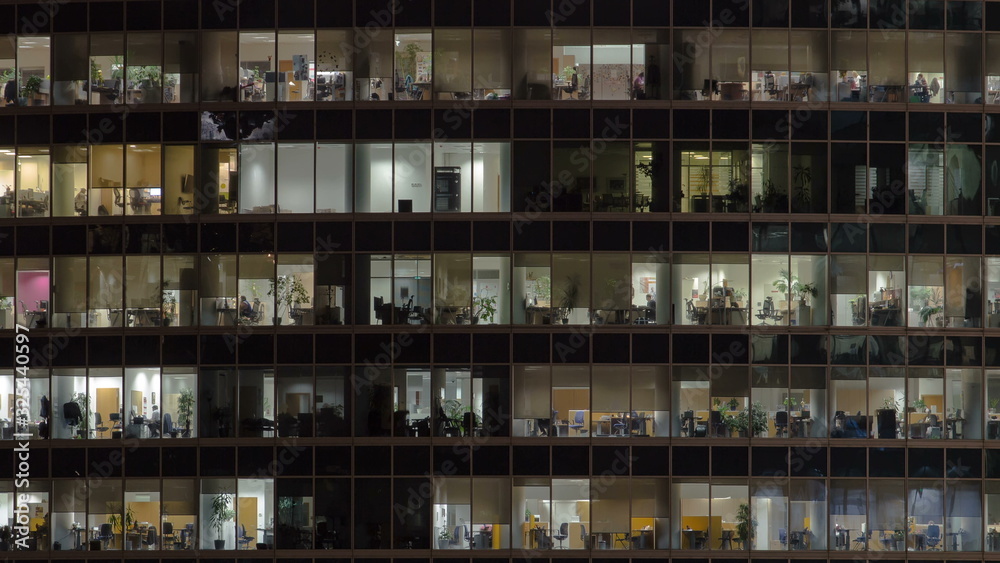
(221, 515)
(287, 292)
(185, 411)
(746, 525)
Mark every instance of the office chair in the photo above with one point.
(583, 536)
(687, 423)
(105, 535)
(243, 540)
(377, 304)
(782, 537)
(781, 423)
(99, 424)
(767, 311)
(618, 428)
(168, 535)
(932, 539)
(150, 540)
(861, 542)
(578, 423)
(167, 426)
(561, 535)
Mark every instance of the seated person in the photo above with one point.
(246, 310)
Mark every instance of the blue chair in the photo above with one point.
(933, 537)
(577, 423)
(618, 428)
(782, 536)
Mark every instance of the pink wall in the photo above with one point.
(31, 287)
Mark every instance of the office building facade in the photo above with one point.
(505, 279)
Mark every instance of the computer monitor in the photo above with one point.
(155, 192)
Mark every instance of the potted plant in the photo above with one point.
(185, 411)
(993, 405)
(485, 308)
(83, 401)
(740, 296)
(789, 403)
(802, 194)
(789, 285)
(752, 421)
(444, 538)
(570, 297)
(288, 291)
(899, 538)
(746, 525)
(30, 89)
(932, 301)
(919, 405)
(121, 524)
(169, 301)
(221, 515)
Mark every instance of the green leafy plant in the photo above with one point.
(185, 409)
(444, 534)
(790, 285)
(83, 401)
(32, 85)
(802, 196)
(567, 73)
(287, 291)
(485, 308)
(919, 404)
(994, 402)
(221, 512)
(119, 523)
(752, 420)
(789, 402)
(570, 295)
(746, 525)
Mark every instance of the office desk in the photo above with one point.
(35, 319)
(147, 316)
(642, 539)
(842, 539)
(533, 536)
(696, 539)
(954, 540)
(227, 315)
(727, 316)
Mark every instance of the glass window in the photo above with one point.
(217, 291)
(769, 177)
(613, 291)
(848, 387)
(180, 66)
(491, 513)
(533, 289)
(925, 509)
(848, 508)
(963, 61)
(650, 57)
(809, 187)
(614, 75)
(69, 305)
(730, 273)
(296, 167)
(963, 180)
(142, 502)
(532, 501)
(221, 75)
(453, 171)
(375, 400)
(691, 68)
(33, 182)
(72, 78)
(414, 64)
(612, 189)
(145, 71)
(373, 166)
(645, 295)
(412, 402)
(491, 64)
(850, 68)
(690, 399)
(142, 171)
(452, 288)
(334, 178)
(770, 76)
(650, 413)
(105, 295)
(334, 66)
(258, 75)
(452, 68)
(332, 391)
(294, 400)
(571, 288)
(652, 179)
(106, 178)
(729, 54)
(964, 517)
(534, 70)
(296, 67)
(810, 76)
(926, 71)
(180, 403)
(411, 177)
(33, 292)
(257, 180)
(887, 401)
(373, 65)
(108, 84)
(218, 510)
(886, 279)
(690, 287)
(8, 75)
(926, 292)
(770, 508)
(33, 70)
(992, 68)
(888, 78)
(926, 180)
(690, 509)
(177, 195)
(145, 295)
(218, 191)
(256, 407)
(807, 511)
(106, 513)
(69, 180)
(256, 287)
(532, 391)
(294, 290)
